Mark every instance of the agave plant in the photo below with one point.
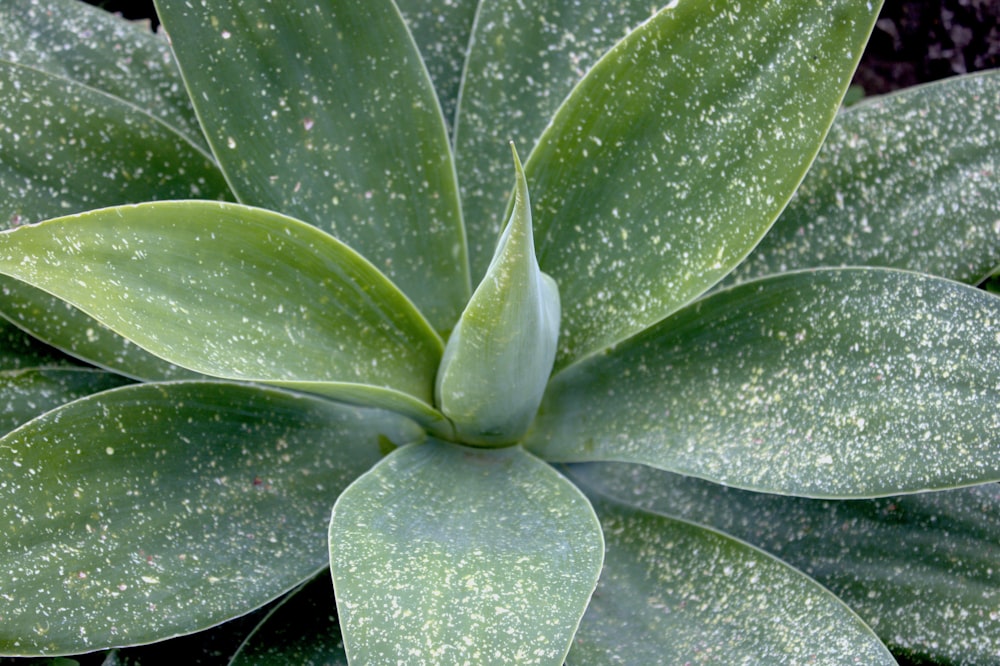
(288, 264)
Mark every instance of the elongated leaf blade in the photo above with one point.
(522, 62)
(124, 59)
(148, 511)
(442, 31)
(324, 111)
(835, 383)
(302, 630)
(66, 328)
(67, 148)
(919, 569)
(443, 554)
(906, 181)
(27, 393)
(673, 593)
(500, 355)
(234, 292)
(669, 162)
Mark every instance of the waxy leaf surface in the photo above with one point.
(30, 392)
(908, 181)
(302, 630)
(920, 569)
(499, 356)
(148, 511)
(522, 62)
(443, 554)
(676, 593)
(668, 163)
(324, 111)
(111, 153)
(93, 47)
(236, 292)
(442, 31)
(834, 383)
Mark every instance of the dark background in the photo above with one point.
(914, 42)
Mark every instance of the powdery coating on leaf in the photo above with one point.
(231, 291)
(109, 153)
(166, 508)
(920, 569)
(675, 593)
(66, 328)
(441, 31)
(842, 382)
(70, 39)
(492, 566)
(523, 61)
(25, 394)
(329, 116)
(910, 180)
(678, 150)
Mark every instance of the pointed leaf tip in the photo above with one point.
(500, 355)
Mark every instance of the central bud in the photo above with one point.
(499, 357)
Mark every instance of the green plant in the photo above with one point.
(259, 369)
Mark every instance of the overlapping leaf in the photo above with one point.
(73, 40)
(919, 569)
(442, 31)
(30, 392)
(324, 111)
(906, 181)
(493, 566)
(668, 163)
(236, 292)
(842, 382)
(522, 62)
(19, 350)
(152, 510)
(112, 153)
(676, 593)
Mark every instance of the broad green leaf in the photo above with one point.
(920, 569)
(64, 327)
(236, 292)
(67, 148)
(147, 511)
(442, 31)
(74, 40)
(302, 630)
(905, 181)
(445, 555)
(30, 392)
(833, 383)
(499, 356)
(324, 111)
(522, 62)
(19, 350)
(676, 593)
(667, 163)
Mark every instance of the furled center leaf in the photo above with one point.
(500, 354)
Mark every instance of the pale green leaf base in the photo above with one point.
(443, 554)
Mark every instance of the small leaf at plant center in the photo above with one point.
(500, 354)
